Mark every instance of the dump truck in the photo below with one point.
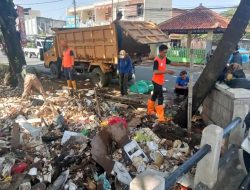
(96, 48)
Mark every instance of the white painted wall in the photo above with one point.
(31, 26)
(153, 12)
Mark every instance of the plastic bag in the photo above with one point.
(142, 87)
(102, 178)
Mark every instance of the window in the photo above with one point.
(48, 44)
(139, 9)
(38, 44)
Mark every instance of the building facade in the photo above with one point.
(42, 25)
(29, 13)
(104, 12)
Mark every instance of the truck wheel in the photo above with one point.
(99, 78)
(30, 55)
(54, 70)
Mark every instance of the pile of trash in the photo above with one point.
(46, 144)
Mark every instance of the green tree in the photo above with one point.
(229, 15)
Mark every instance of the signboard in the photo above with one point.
(21, 24)
(70, 21)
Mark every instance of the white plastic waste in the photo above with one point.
(122, 173)
(33, 172)
(24, 124)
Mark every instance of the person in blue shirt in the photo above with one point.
(181, 86)
(236, 58)
(124, 70)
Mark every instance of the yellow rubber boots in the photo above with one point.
(151, 107)
(160, 113)
(73, 84)
(69, 83)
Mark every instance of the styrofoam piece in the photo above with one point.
(132, 149)
(147, 181)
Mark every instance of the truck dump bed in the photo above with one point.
(138, 35)
(92, 44)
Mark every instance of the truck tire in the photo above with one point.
(30, 55)
(99, 78)
(54, 70)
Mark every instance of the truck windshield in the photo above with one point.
(47, 44)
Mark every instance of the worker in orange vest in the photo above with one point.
(68, 64)
(160, 69)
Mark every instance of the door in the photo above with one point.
(49, 51)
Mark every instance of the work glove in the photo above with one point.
(122, 173)
(133, 76)
(117, 72)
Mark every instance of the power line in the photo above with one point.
(46, 2)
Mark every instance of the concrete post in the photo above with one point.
(153, 50)
(207, 168)
(209, 41)
(241, 109)
(189, 39)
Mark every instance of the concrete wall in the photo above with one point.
(153, 12)
(224, 104)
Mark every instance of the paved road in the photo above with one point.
(142, 72)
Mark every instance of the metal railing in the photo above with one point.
(199, 155)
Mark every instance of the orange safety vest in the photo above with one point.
(159, 78)
(67, 60)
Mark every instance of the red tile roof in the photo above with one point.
(177, 12)
(198, 20)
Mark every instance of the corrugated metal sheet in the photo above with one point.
(144, 32)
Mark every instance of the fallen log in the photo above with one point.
(125, 100)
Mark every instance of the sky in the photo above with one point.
(57, 9)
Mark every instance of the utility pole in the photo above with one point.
(112, 10)
(74, 3)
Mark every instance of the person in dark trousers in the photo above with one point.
(237, 58)
(124, 70)
(160, 69)
(181, 86)
(118, 30)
